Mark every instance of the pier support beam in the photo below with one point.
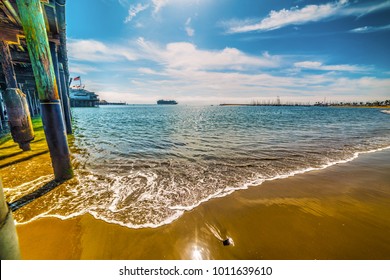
(33, 23)
(33, 111)
(28, 98)
(19, 118)
(65, 100)
(8, 67)
(61, 83)
(2, 113)
(9, 244)
(54, 59)
(62, 54)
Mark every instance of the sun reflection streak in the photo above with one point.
(198, 250)
(196, 253)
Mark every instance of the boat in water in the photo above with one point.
(166, 102)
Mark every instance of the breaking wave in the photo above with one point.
(157, 163)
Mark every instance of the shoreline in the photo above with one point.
(332, 212)
(227, 192)
(299, 205)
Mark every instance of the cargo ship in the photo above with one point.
(166, 102)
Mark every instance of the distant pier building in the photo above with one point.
(83, 98)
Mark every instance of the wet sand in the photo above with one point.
(341, 212)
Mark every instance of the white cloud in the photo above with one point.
(194, 86)
(294, 16)
(316, 65)
(148, 71)
(370, 29)
(139, 25)
(190, 31)
(308, 64)
(96, 51)
(159, 4)
(309, 13)
(80, 68)
(362, 10)
(184, 72)
(134, 10)
(123, 3)
(183, 55)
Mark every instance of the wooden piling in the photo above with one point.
(62, 54)
(37, 104)
(54, 59)
(28, 98)
(31, 16)
(30, 102)
(8, 68)
(33, 111)
(63, 58)
(2, 113)
(19, 118)
(35, 101)
(65, 100)
(9, 244)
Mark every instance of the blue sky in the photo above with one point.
(216, 51)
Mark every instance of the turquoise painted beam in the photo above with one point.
(31, 16)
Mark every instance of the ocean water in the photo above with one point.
(143, 166)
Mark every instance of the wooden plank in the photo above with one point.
(8, 14)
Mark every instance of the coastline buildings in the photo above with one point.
(105, 102)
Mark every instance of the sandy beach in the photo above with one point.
(195, 130)
(341, 212)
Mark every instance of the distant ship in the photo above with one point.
(166, 102)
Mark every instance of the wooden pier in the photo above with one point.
(34, 75)
(34, 81)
